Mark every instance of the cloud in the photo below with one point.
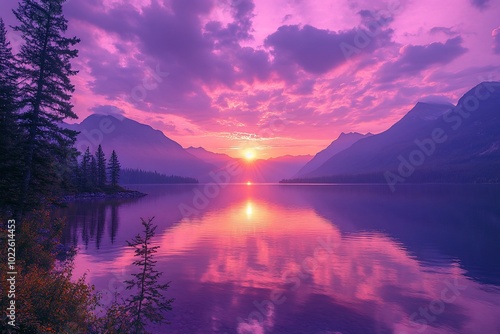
(239, 29)
(318, 51)
(176, 38)
(456, 81)
(286, 18)
(108, 110)
(444, 30)
(305, 87)
(374, 20)
(415, 58)
(109, 77)
(496, 40)
(481, 4)
(169, 127)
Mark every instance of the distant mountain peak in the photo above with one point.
(427, 104)
(202, 150)
(470, 154)
(428, 111)
(484, 90)
(101, 116)
(343, 141)
(349, 134)
(199, 148)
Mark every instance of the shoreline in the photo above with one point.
(102, 195)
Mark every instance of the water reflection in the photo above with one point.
(311, 259)
(89, 221)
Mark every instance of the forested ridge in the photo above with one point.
(139, 176)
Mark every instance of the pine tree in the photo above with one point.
(148, 304)
(44, 69)
(10, 159)
(85, 170)
(93, 173)
(114, 169)
(101, 167)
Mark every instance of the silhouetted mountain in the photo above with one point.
(432, 143)
(345, 140)
(216, 159)
(138, 146)
(274, 169)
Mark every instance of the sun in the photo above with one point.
(249, 155)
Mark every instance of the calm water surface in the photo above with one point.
(307, 259)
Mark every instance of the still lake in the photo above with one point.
(319, 259)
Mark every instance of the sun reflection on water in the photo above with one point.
(249, 209)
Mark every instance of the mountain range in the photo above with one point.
(139, 146)
(431, 143)
(344, 141)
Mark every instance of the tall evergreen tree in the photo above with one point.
(101, 167)
(45, 71)
(85, 170)
(114, 169)
(10, 167)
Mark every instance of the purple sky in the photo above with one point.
(280, 76)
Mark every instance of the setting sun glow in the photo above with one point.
(249, 155)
